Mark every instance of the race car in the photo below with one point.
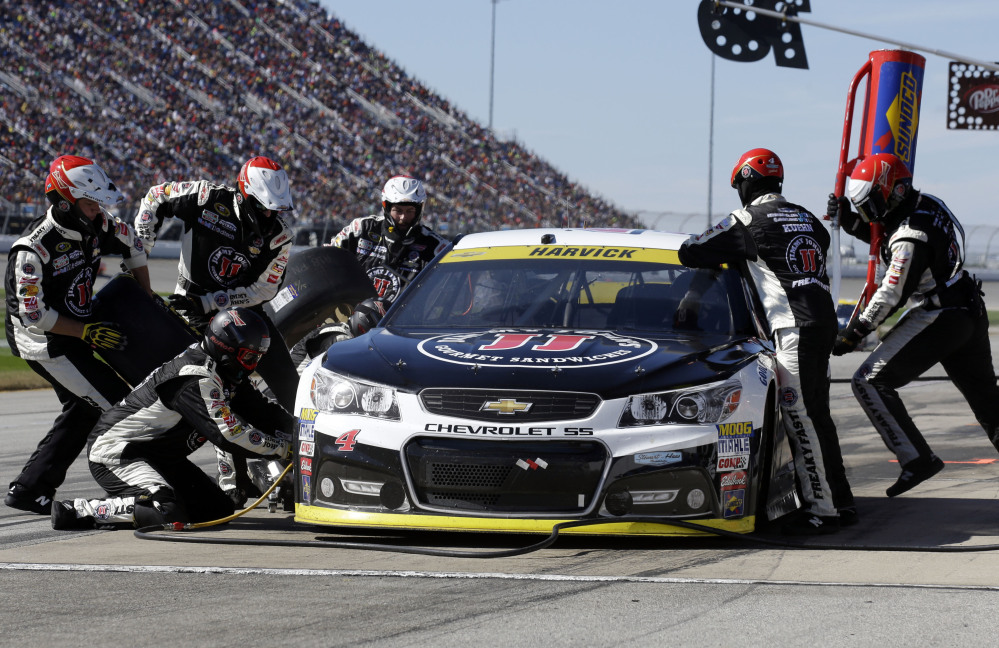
(532, 377)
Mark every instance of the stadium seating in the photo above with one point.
(159, 90)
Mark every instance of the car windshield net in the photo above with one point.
(599, 294)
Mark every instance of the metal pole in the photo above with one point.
(711, 136)
(492, 66)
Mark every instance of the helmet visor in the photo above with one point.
(872, 208)
(249, 358)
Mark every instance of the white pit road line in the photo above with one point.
(251, 571)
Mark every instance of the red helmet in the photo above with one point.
(757, 164)
(878, 184)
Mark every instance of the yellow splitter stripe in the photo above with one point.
(337, 517)
(566, 252)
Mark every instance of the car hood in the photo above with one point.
(611, 364)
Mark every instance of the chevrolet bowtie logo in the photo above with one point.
(505, 406)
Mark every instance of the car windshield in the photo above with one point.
(624, 293)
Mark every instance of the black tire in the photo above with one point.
(766, 454)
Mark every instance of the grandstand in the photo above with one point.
(161, 90)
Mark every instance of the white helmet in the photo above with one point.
(264, 185)
(406, 190)
(266, 181)
(72, 177)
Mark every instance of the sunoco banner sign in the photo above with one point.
(974, 98)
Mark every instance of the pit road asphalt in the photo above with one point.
(916, 571)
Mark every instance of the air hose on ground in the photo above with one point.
(150, 533)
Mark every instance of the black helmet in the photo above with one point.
(366, 316)
(237, 339)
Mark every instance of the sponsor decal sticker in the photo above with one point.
(658, 458)
(536, 349)
(733, 447)
(734, 503)
(733, 463)
(568, 252)
(740, 429)
(527, 464)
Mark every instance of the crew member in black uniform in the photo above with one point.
(784, 247)
(49, 284)
(140, 447)
(235, 247)
(392, 247)
(923, 256)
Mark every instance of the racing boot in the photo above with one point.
(22, 498)
(805, 523)
(914, 473)
(848, 516)
(65, 517)
(993, 432)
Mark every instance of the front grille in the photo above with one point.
(448, 475)
(505, 477)
(544, 406)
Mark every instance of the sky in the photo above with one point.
(617, 94)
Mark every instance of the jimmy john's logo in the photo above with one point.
(535, 348)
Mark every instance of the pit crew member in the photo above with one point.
(51, 271)
(139, 449)
(785, 247)
(923, 257)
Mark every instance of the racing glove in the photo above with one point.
(837, 205)
(848, 339)
(186, 304)
(104, 335)
(849, 221)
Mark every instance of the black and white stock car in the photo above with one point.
(536, 376)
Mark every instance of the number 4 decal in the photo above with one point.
(346, 440)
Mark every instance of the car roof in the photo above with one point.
(575, 236)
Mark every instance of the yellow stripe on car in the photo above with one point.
(322, 515)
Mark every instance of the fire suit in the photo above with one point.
(51, 271)
(390, 266)
(224, 263)
(139, 451)
(785, 247)
(923, 258)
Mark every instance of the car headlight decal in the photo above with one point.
(334, 393)
(377, 400)
(704, 404)
(648, 407)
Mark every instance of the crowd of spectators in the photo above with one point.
(159, 90)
